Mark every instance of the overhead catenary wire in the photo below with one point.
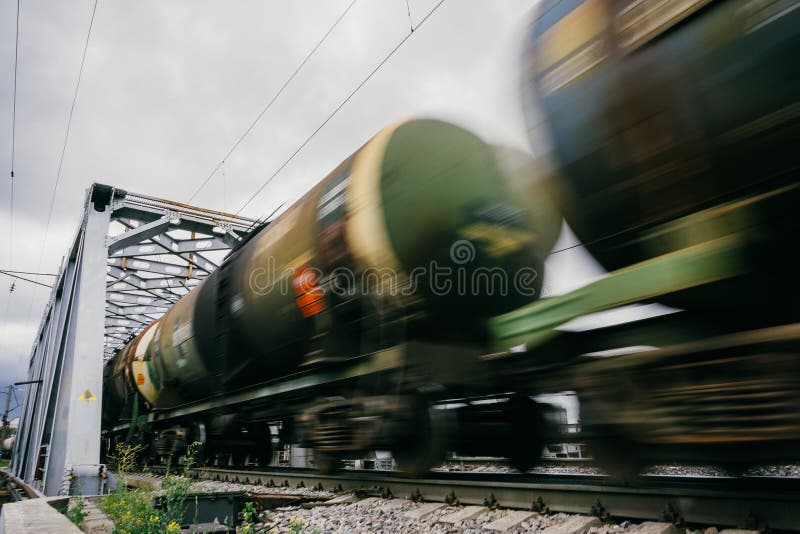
(272, 100)
(13, 140)
(576, 245)
(14, 98)
(64, 148)
(25, 279)
(16, 400)
(28, 272)
(69, 122)
(13, 152)
(339, 107)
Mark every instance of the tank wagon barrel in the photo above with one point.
(658, 110)
(400, 242)
(672, 129)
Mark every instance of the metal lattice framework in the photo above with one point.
(148, 253)
(157, 251)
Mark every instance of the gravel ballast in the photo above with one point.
(392, 516)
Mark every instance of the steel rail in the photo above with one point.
(720, 501)
(19, 489)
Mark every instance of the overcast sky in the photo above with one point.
(169, 86)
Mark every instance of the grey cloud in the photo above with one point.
(169, 86)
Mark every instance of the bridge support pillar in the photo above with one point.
(58, 449)
(74, 446)
(111, 285)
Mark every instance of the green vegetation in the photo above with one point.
(297, 525)
(249, 514)
(76, 513)
(133, 510)
(133, 513)
(4, 462)
(124, 459)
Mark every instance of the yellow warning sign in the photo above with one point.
(87, 395)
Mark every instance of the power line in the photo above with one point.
(11, 224)
(410, 22)
(340, 106)
(16, 399)
(576, 245)
(13, 143)
(14, 100)
(272, 101)
(64, 149)
(27, 272)
(13, 151)
(22, 278)
(69, 124)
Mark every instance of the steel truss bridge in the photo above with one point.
(132, 257)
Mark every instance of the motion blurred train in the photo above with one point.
(362, 292)
(674, 126)
(371, 314)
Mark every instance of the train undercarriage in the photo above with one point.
(381, 401)
(729, 400)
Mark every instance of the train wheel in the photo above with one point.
(616, 454)
(526, 442)
(327, 462)
(425, 441)
(265, 453)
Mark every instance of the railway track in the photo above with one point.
(748, 502)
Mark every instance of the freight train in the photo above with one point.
(671, 127)
(399, 244)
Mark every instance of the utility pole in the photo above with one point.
(8, 407)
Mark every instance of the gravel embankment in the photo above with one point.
(389, 516)
(371, 519)
(775, 470)
(210, 486)
(491, 467)
(553, 468)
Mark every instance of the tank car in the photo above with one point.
(672, 128)
(400, 243)
(662, 109)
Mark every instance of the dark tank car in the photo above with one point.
(660, 109)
